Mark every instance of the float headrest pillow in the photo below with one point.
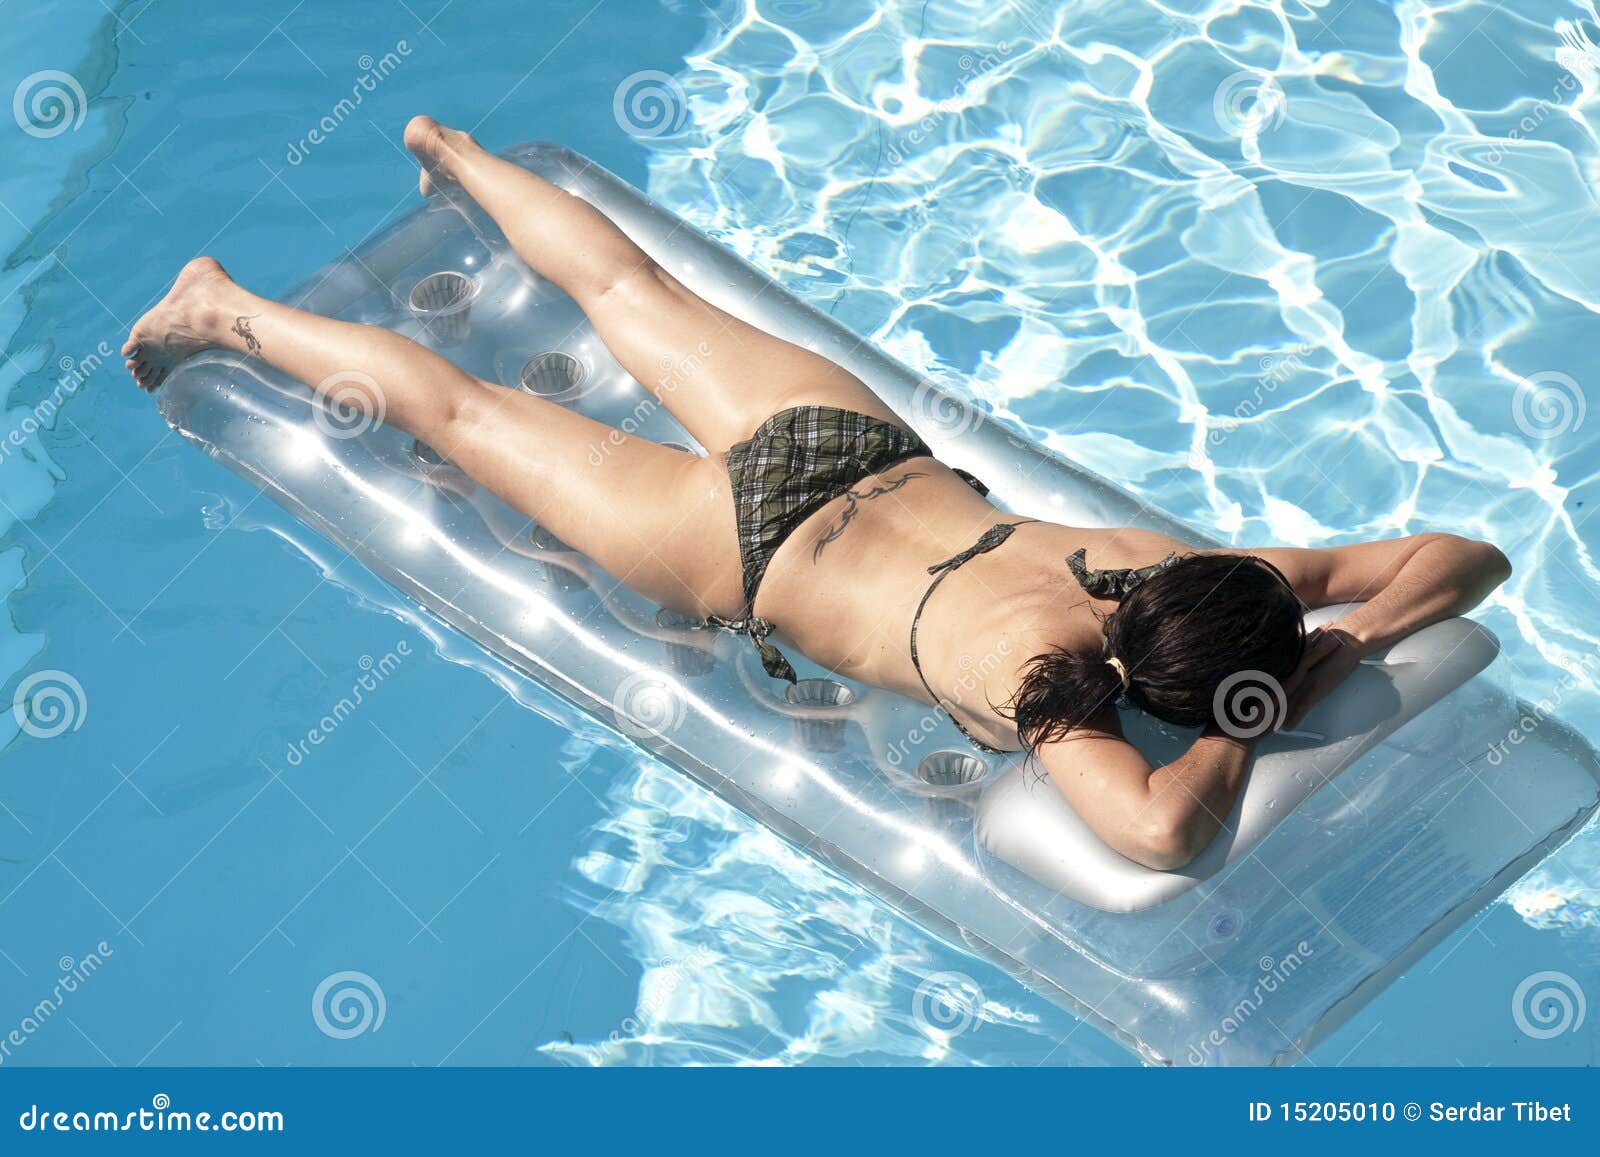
(1025, 821)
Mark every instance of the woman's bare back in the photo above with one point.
(845, 586)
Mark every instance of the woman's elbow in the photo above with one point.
(1164, 844)
(1495, 563)
(1484, 560)
(1476, 556)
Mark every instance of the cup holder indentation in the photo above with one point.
(825, 696)
(442, 302)
(553, 375)
(563, 578)
(426, 454)
(690, 658)
(819, 693)
(951, 769)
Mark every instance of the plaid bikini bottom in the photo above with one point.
(795, 463)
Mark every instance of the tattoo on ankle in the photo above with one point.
(241, 326)
(852, 505)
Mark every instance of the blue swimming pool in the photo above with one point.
(1297, 272)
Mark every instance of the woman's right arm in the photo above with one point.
(1404, 584)
(1161, 817)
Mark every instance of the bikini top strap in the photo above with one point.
(990, 539)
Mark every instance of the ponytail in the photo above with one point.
(1061, 691)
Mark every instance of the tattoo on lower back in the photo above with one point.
(241, 326)
(853, 500)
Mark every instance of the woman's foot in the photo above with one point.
(436, 148)
(182, 323)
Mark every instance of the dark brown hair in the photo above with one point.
(1179, 634)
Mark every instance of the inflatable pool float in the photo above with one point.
(1356, 844)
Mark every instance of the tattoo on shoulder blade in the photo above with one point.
(852, 506)
(241, 326)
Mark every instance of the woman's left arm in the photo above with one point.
(1405, 584)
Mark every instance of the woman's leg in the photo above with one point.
(659, 519)
(718, 375)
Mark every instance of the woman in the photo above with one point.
(817, 511)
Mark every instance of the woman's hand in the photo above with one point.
(1331, 654)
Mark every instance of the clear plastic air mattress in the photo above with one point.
(1354, 847)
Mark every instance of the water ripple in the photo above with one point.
(1299, 272)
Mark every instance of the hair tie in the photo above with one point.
(1122, 672)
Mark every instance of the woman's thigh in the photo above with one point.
(719, 376)
(660, 520)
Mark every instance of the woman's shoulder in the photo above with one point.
(1119, 546)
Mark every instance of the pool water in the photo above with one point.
(1298, 273)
